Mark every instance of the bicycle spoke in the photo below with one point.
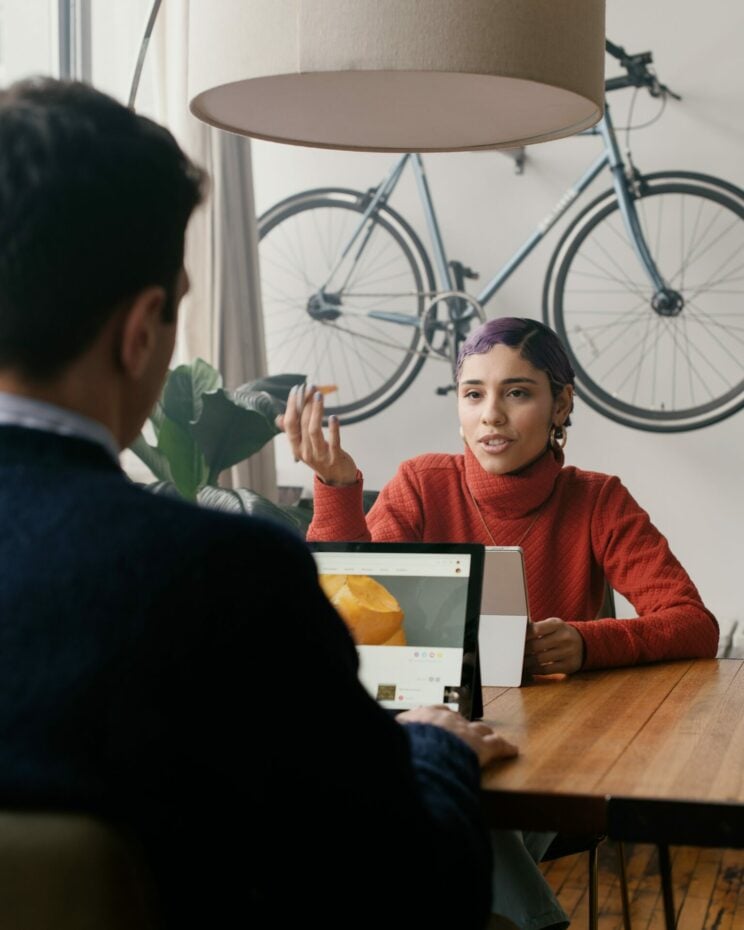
(714, 321)
(308, 364)
(686, 335)
(714, 370)
(608, 371)
(681, 244)
(693, 234)
(323, 240)
(289, 270)
(692, 348)
(711, 326)
(288, 251)
(617, 228)
(695, 256)
(349, 377)
(706, 285)
(351, 347)
(615, 330)
(622, 286)
(661, 329)
(642, 357)
(658, 329)
(620, 280)
(731, 277)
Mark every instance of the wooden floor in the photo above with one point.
(708, 887)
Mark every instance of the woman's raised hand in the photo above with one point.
(303, 424)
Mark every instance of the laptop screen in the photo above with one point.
(413, 610)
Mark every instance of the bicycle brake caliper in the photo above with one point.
(635, 178)
(462, 273)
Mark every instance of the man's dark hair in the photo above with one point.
(94, 203)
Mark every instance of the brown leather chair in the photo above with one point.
(64, 871)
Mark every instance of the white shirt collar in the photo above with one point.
(17, 410)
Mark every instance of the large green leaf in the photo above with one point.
(157, 416)
(258, 401)
(187, 465)
(182, 397)
(153, 457)
(241, 500)
(278, 386)
(300, 515)
(164, 489)
(232, 427)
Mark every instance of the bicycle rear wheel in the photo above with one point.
(351, 323)
(663, 369)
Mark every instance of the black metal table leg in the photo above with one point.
(667, 890)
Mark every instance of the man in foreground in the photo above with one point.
(157, 659)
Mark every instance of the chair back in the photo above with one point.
(608, 602)
(63, 871)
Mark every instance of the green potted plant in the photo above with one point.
(201, 428)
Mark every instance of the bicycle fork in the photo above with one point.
(666, 301)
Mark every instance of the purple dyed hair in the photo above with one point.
(537, 343)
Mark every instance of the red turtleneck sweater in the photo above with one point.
(576, 529)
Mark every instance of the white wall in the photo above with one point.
(28, 39)
(691, 483)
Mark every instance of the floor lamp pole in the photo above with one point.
(143, 52)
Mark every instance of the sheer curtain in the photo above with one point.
(221, 316)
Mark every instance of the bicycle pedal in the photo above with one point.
(445, 390)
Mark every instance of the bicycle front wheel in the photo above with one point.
(659, 367)
(348, 319)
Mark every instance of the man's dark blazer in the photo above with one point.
(179, 670)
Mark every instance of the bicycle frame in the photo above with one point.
(610, 157)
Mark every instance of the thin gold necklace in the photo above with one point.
(490, 534)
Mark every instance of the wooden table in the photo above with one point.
(663, 744)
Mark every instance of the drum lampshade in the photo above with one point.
(398, 75)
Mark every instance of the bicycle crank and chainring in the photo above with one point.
(444, 332)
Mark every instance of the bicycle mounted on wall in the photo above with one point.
(641, 288)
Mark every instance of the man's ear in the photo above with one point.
(138, 336)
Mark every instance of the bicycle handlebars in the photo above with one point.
(638, 72)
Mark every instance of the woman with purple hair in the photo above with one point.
(578, 530)
(510, 487)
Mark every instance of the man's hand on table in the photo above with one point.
(482, 739)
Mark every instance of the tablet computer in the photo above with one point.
(413, 610)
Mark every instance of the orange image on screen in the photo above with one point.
(370, 611)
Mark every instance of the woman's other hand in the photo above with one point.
(303, 424)
(553, 646)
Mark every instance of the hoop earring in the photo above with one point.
(558, 437)
(462, 433)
